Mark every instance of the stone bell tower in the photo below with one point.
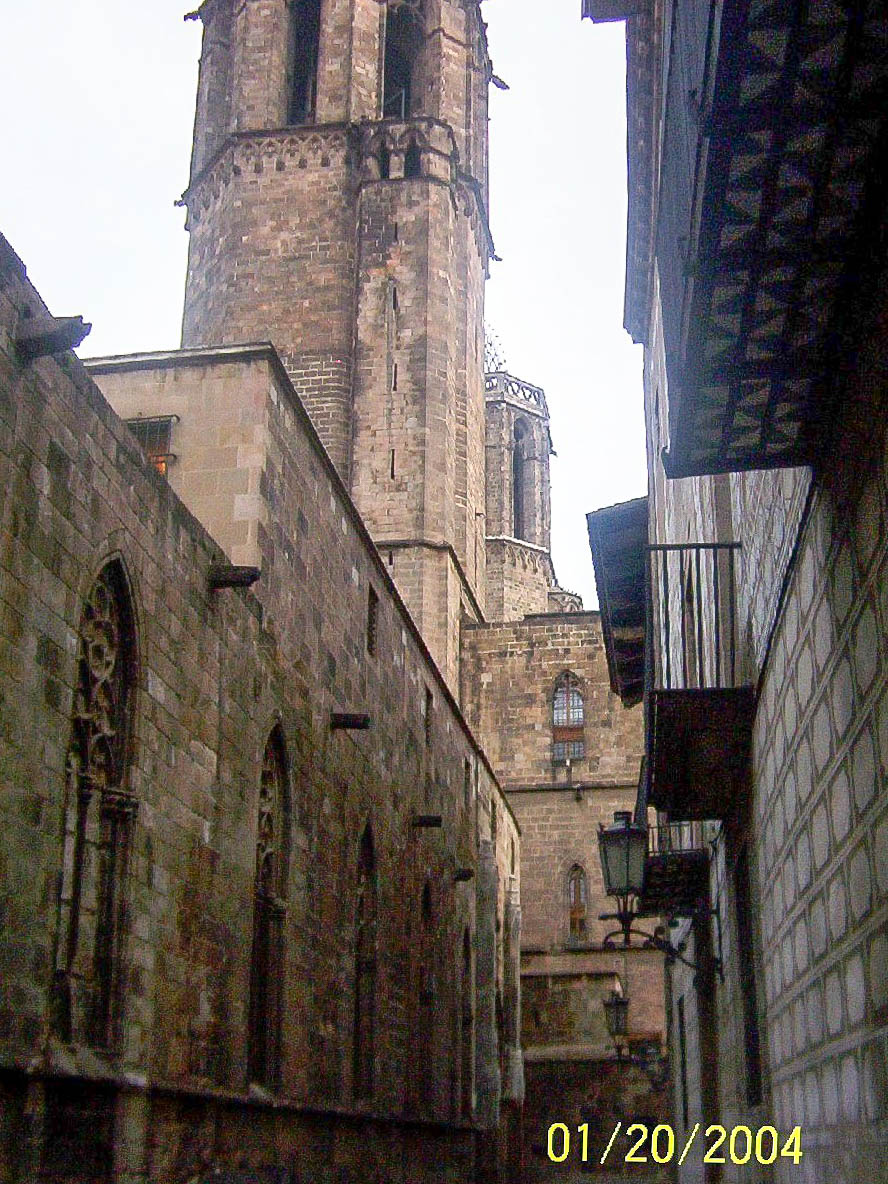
(338, 207)
(520, 578)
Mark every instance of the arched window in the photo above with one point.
(568, 743)
(266, 964)
(403, 42)
(99, 816)
(306, 33)
(519, 477)
(576, 899)
(467, 1030)
(365, 968)
(427, 998)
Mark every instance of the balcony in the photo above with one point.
(770, 218)
(700, 711)
(676, 871)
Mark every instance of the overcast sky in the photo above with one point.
(98, 103)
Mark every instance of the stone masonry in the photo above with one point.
(510, 671)
(359, 245)
(215, 672)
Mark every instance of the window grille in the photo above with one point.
(154, 433)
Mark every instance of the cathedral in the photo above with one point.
(303, 747)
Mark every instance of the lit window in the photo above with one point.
(154, 433)
(568, 741)
(576, 897)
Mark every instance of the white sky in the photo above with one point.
(98, 103)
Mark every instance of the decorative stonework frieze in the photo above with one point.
(505, 388)
(386, 147)
(281, 150)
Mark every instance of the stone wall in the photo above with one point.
(509, 680)
(215, 672)
(519, 577)
(559, 832)
(509, 672)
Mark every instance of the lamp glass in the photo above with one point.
(623, 849)
(616, 1014)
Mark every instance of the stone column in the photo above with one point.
(513, 1061)
(487, 1073)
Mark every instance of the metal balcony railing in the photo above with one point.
(676, 838)
(676, 875)
(698, 709)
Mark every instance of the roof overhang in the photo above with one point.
(770, 248)
(618, 537)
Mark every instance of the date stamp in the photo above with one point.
(738, 1145)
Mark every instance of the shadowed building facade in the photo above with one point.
(746, 594)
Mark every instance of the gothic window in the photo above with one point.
(403, 41)
(306, 32)
(365, 968)
(576, 898)
(427, 993)
(467, 1033)
(519, 477)
(266, 963)
(568, 743)
(99, 814)
(372, 622)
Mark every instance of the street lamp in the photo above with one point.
(616, 1016)
(623, 851)
(651, 1061)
